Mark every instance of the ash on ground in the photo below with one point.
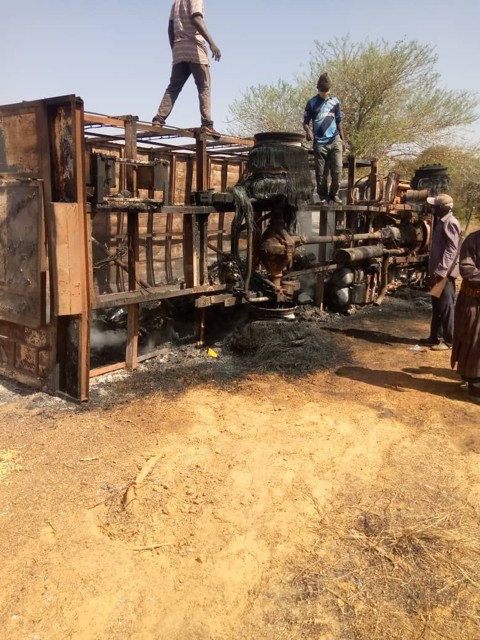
(237, 345)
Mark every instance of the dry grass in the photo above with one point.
(9, 463)
(394, 571)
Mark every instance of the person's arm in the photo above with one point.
(171, 33)
(307, 118)
(339, 121)
(201, 27)
(452, 238)
(470, 259)
(171, 26)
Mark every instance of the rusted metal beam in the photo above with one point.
(106, 121)
(121, 299)
(109, 368)
(126, 204)
(133, 246)
(371, 208)
(146, 130)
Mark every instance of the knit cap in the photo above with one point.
(324, 83)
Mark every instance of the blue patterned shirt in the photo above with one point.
(326, 115)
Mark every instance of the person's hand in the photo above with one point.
(431, 280)
(309, 134)
(216, 53)
(344, 146)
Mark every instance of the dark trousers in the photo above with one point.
(180, 74)
(443, 311)
(328, 157)
(473, 387)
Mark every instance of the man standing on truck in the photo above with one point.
(188, 35)
(443, 254)
(328, 139)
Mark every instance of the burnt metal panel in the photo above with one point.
(20, 142)
(103, 175)
(21, 212)
(62, 145)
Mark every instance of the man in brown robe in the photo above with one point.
(466, 338)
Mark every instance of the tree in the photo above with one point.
(390, 94)
(268, 107)
(463, 169)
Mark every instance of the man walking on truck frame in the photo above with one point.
(323, 110)
(188, 33)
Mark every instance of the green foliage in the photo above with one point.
(275, 107)
(463, 168)
(390, 95)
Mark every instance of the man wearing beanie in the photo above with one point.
(328, 139)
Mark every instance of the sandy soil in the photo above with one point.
(338, 503)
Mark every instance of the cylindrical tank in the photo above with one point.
(359, 253)
(278, 166)
(433, 177)
(276, 178)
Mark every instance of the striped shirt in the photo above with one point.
(189, 45)
(326, 115)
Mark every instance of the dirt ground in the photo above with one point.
(337, 497)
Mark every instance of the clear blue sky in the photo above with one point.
(115, 54)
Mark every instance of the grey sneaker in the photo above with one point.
(157, 121)
(210, 131)
(336, 200)
(441, 346)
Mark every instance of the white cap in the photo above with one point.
(442, 200)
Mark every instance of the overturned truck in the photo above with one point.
(106, 217)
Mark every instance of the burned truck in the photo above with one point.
(106, 221)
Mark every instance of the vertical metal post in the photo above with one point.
(202, 162)
(133, 245)
(200, 229)
(86, 252)
(373, 179)
(221, 216)
(319, 290)
(351, 178)
(67, 163)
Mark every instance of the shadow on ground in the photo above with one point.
(400, 381)
(433, 371)
(377, 337)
